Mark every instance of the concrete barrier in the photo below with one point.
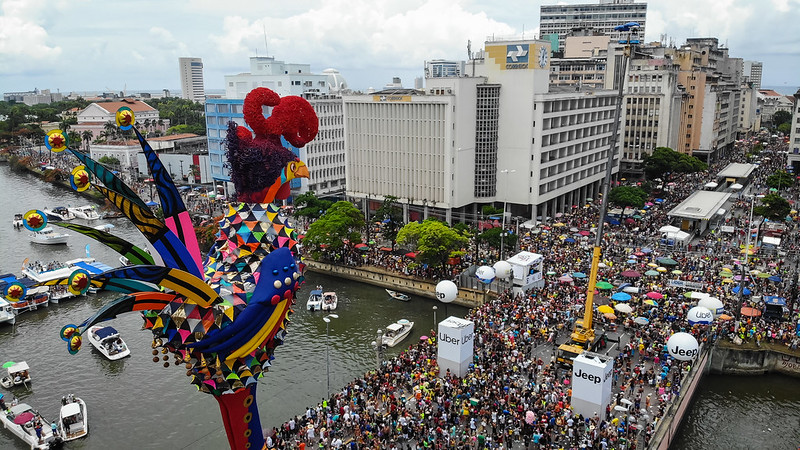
(380, 277)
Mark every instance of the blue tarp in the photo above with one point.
(105, 332)
(775, 300)
(93, 268)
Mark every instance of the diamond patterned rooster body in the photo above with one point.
(221, 318)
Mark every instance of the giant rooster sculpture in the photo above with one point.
(221, 318)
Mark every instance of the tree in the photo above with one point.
(310, 206)
(665, 160)
(780, 179)
(781, 117)
(87, 136)
(391, 216)
(624, 196)
(109, 161)
(342, 221)
(434, 241)
(492, 237)
(773, 206)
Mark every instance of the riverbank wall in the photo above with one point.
(90, 194)
(380, 277)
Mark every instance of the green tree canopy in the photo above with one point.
(781, 117)
(391, 216)
(492, 237)
(433, 240)
(773, 207)
(780, 179)
(489, 210)
(110, 161)
(310, 206)
(342, 221)
(624, 196)
(665, 160)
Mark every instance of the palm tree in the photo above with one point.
(147, 124)
(110, 129)
(87, 136)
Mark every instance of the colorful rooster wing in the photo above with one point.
(223, 317)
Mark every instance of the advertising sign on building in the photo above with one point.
(591, 383)
(456, 342)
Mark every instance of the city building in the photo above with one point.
(583, 61)
(499, 134)
(191, 73)
(100, 117)
(325, 155)
(559, 20)
(793, 158)
(283, 78)
(771, 102)
(34, 97)
(752, 73)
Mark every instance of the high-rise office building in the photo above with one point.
(752, 73)
(603, 17)
(191, 70)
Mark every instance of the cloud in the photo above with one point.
(361, 34)
(23, 41)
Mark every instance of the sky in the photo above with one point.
(101, 45)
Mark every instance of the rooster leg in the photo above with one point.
(240, 416)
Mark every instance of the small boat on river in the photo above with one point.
(34, 298)
(396, 332)
(19, 220)
(59, 213)
(23, 421)
(87, 212)
(73, 421)
(329, 301)
(314, 300)
(18, 375)
(7, 313)
(398, 295)
(48, 236)
(108, 342)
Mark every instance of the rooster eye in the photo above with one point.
(292, 166)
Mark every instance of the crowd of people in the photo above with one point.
(515, 394)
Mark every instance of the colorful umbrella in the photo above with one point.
(661, 269)
(655, 295)
(565, 279)
(610, 316)
(725, 317)
(677, 272)
(624, 308)
(667, 261)
(605, 285)
(621, 297)
(726, 274)
(652, 273)
(650, 302)
(578, 275)
(631, 274)
(744, 292)
(775, 278)
(605, 309)
(8, 364)
(641, 320)
(750, 312)
(653, 265)
(23, 418)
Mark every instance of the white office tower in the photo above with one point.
(191, 70)
(493, 132)
(603, 16)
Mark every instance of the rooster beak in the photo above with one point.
(301, 171)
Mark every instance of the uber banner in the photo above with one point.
(456, 345)
(591, 383)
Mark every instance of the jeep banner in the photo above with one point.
(591, 383)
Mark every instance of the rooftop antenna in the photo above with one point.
(266, 44)
(523, 31)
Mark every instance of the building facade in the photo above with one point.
(752, 73)
(793, 158)
(100, 117)
(191, 73)
(561, 19)
(499, 136)
(283, 78)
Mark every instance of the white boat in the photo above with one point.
(104, 227)
(396, 332)
(34, 298)
(108, 342)
(48, 236)
(18, 375)
(22, 420)
(398, 295)
(58, 213)
(329, 301)
(43, 272)
(73, 421)
(314, 300)
(18, 221)
(87, 212)
(7, 313)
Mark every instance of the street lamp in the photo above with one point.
(327, 320)
(624, 409)
(434, 318)
(505, 204)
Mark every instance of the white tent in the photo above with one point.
(711, 184)
(736, 186)
(668, 229)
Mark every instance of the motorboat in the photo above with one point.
(108, 342)
(23, 420)
(59, 213)
(34, 298)
(7, 313)
(104, 227)
(48, 236)
(314, 300)
(41, 272)
(18, 375)
(73, 420)
(398, 295)
(87, 212)
(396, 332)
(18, 221)
(329, 301)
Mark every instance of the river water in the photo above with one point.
(135, 403)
